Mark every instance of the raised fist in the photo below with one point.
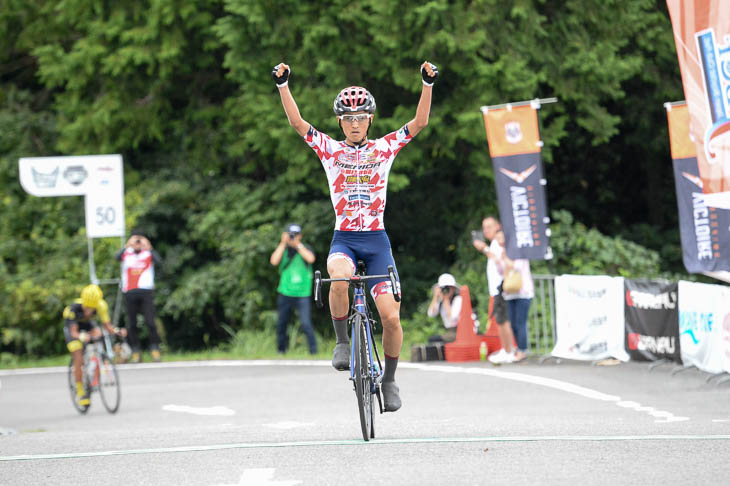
(280, 73)
(429, 73)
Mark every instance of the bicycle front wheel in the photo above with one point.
(72, 387)
(109, 384)
(362, 376)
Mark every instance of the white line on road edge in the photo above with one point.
(373, 442)
(661, 416)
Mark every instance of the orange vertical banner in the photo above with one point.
(514, 145)
(512, 131)
(702, 37)
(703, 229)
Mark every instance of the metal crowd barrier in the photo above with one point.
(541, 318)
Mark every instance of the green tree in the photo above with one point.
(182, 90)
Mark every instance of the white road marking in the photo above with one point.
(219, 411)
(261, 477)
(289, 425)
(371, 443)
(659, 415)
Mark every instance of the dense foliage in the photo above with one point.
(182, 89)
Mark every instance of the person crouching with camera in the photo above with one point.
(446, 302)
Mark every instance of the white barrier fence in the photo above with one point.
(591, 321)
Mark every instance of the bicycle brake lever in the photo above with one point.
(318, 289)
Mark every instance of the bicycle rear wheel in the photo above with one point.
(109, 384)
(72, 387)
(362, 377)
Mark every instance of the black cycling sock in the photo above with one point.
(390, 365)
(340, 326)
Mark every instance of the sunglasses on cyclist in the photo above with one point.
(354, 118)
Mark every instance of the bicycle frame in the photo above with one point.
(98, 374)
(359, 306)
(365, 368)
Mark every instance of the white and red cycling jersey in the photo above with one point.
(358, 176)
(138, 270)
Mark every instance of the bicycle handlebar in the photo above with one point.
(318, 280)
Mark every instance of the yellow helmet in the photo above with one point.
(91, 296)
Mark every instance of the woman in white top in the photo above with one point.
(447, 303)
(518, 302)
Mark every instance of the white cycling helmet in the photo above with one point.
(353, 99)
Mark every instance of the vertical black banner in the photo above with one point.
(514, 145)
(704, 230)
(700, 226)
(651, 320)
(522, 207)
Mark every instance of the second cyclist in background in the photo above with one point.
(357, 171)
(81, 319)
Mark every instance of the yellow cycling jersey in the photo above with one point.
(75, 313)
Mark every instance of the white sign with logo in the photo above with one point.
(100, 178)
(589, 313)
(704, 326)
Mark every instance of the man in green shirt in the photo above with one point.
(295, 261)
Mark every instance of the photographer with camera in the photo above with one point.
(138, 286)
(446, 302)
(295, 261)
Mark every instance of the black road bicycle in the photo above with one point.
(99, 374)
(366, 371)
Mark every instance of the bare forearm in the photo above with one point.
(422, 111)
(306, 254)
(278, 253)
(292, 111)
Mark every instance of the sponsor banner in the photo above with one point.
(702, 37)
(704, 230)
(651, 320)
(704, 326)
(589, 317)
(514, 145)
(100, 178)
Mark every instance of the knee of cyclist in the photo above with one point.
(339, 288)
(391, 320)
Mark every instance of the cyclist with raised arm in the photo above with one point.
(81, 316)
(357, 172)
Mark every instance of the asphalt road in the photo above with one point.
(292, 422)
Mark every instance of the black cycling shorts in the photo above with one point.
(499, 309)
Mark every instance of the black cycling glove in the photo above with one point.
(282, 80)
(429, 80)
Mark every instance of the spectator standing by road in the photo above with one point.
(138, 286)
(518, 299)
(446, 302)
(295, 261)
(497, 305)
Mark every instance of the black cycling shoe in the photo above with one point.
(391, 396)
(341, 357)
